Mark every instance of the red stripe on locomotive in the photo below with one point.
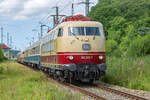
(78, 58)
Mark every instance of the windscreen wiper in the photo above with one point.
(75, 35)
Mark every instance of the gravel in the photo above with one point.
(103, 93)
(144, 94)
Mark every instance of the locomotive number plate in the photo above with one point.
(86, 47)
(86, 57)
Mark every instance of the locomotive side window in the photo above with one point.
(84, 31)
(60, 32)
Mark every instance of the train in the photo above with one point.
(74, 50)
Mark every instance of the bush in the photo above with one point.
(136, 47)
(129, 72)
(1, 70)
(146, 40)
(2, 58)
(140, 46)
(111, 45)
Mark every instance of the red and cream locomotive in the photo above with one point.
(73, 50)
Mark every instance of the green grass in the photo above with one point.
(129, 72)
(20, 83)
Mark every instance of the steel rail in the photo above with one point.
(96, 97)
(124, 94)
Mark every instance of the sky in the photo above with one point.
(20, 17)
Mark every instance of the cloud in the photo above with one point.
(26, 9)
(34, 7)
(20, 17)
(10, 7)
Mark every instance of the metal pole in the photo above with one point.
(11, 41)
(1, 35)
(72, 8)
(41, 30)
(57, 13)
(32, 39)
(37, 33)
(54, 21)
(87, 7)
(7, 38)
(39, 36)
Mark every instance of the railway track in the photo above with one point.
(104, 88)
(124, 94)
(100, 87)
(96, 97)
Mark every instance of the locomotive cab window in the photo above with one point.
(84, 31)
(60, 32)
(92, 31)
(78, 31)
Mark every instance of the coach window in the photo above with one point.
(60, 32)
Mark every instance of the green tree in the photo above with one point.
(126, 23)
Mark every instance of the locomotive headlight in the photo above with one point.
(100, 57)
(71, 57)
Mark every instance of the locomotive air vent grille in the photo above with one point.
(86, 46)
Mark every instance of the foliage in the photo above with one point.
(127, 22)
(129, 72)
(127, 28)
(2, 58)
(18, 82)
(1, 55)
(111, 45)
(140, 46)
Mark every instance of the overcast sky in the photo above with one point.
(19, 17)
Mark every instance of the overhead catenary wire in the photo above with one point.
(45, 17)
(66, 6)
(49, 14)
(45, 20)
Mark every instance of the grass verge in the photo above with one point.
(132, 73)
(20, 83)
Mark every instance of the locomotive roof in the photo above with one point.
(80, 23)
(35, 44)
